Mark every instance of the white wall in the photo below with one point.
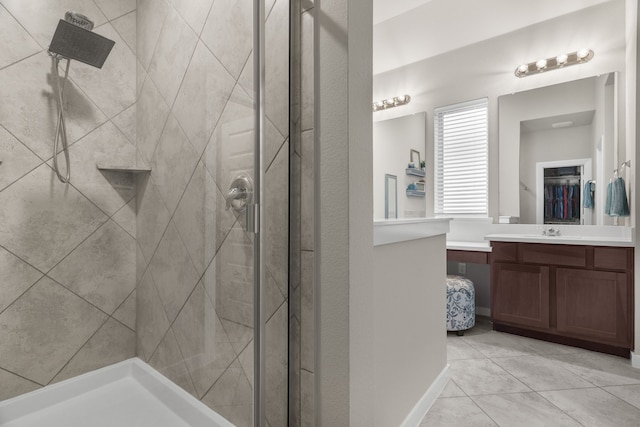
(409, 316)
(343, 206)
(392, 141)
(486, 69)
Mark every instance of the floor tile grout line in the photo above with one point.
(485, 412)
(537, 352)
(617, 397)
(562, 410)
(567, 371)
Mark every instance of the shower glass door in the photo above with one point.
(219, 271)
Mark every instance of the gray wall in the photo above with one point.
(67, 252)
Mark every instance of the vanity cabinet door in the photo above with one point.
(520, 294)
(593, 305)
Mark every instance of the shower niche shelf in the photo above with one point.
(124, 168)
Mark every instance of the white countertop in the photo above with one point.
(458, 245)
(389, 231)
(562, 239)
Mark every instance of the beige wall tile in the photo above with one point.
(173, 272)
(172, 54)
(43, 220)
(126, 27)
(17, 277)
(230, 17)
(115, 8)
(202, 96)
(173, 163)
(112, 88)
(13, 385)
(102, 269)
(43, 329)
(113, 343)
(168, 360)
(29, 110)
(194, 12)
(15, 42)
(203, 341)
(151, 320)
(41, 19)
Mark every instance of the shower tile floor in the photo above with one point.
(499, 379)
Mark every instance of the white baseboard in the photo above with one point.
(426, 401)
(635, 360)
(483, 311)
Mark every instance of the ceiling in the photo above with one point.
(408, 31)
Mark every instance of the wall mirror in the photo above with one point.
(395, 142)
(554, 139)
(390, 196)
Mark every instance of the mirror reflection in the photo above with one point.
(390, 196)
(399, 152)
(560, 141)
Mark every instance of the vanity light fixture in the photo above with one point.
(563, 60)
(396, 101)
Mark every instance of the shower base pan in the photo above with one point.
(129, 393)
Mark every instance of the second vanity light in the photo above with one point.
(396, 101)
(564, 60)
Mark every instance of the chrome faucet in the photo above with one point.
(550, 231)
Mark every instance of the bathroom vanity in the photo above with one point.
(568, 290)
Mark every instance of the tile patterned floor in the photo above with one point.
(499, 379)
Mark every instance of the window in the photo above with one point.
(461, 159)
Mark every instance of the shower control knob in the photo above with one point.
(240, 192)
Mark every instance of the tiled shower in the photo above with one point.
(120, 264)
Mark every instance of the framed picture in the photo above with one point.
(414, 157)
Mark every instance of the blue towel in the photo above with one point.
(619, 203)
(588, 195)
(607, 203)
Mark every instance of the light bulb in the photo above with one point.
(523, 68)
(583, 53)
(401, 98)
(562, 59)
(541, 64)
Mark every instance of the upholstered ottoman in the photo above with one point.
(461, 304)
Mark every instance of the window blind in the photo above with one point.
(461, 158)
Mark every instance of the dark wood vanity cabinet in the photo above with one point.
(521, 294)
(577, 295)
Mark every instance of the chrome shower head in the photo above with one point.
(79, 19)
(74, 39)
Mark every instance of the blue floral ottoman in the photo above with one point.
(461, 304)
